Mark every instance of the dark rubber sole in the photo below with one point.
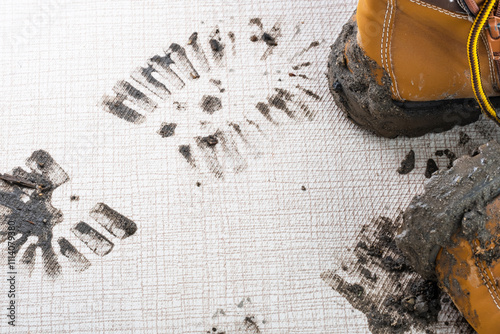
(370, 105)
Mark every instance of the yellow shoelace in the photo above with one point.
(473, 54)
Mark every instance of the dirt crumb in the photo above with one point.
(431, 168)
(408, 163)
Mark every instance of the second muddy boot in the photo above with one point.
(409, 67)
(451, 233)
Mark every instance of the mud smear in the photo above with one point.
(232, 156)
(198, 52)
(144, 77)
(167, 130)
(185, 151)
(257, 21)
(93, 239)
(178, 55)
(265, 110)
(113, 221)
(240, 320)
(77, 260)
(313, 45)
(431, 168)
(299, 66)
(207, 146)
(282, 100)
(115, 106)
(217, 47)
(126, 92)
(250, 325)
(408, 163)
(162, 66)
(237, 129)
(309, 93)
(377, 280)
(217, 83)
(210, 104)
(27, 212)
(232, 38)
(29, 258)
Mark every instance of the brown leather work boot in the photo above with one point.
(406, 67)
(452, 233)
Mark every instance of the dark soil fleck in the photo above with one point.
(74, 198)
(167, 130)
(431, 168)
(269, 40)
(254, 38)
(408, 163)
(211, 104)
(210, 140)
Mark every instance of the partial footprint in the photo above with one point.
(28, 217)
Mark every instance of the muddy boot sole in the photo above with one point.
(370, 105)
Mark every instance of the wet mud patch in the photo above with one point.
(376, 279)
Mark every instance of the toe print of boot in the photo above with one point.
(194, 93)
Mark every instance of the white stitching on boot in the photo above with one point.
(382, 49)
(389, 49)
(458, 16)
(487, 282)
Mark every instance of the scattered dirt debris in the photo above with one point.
(377, 280)
(431, 168)
(408, 163)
